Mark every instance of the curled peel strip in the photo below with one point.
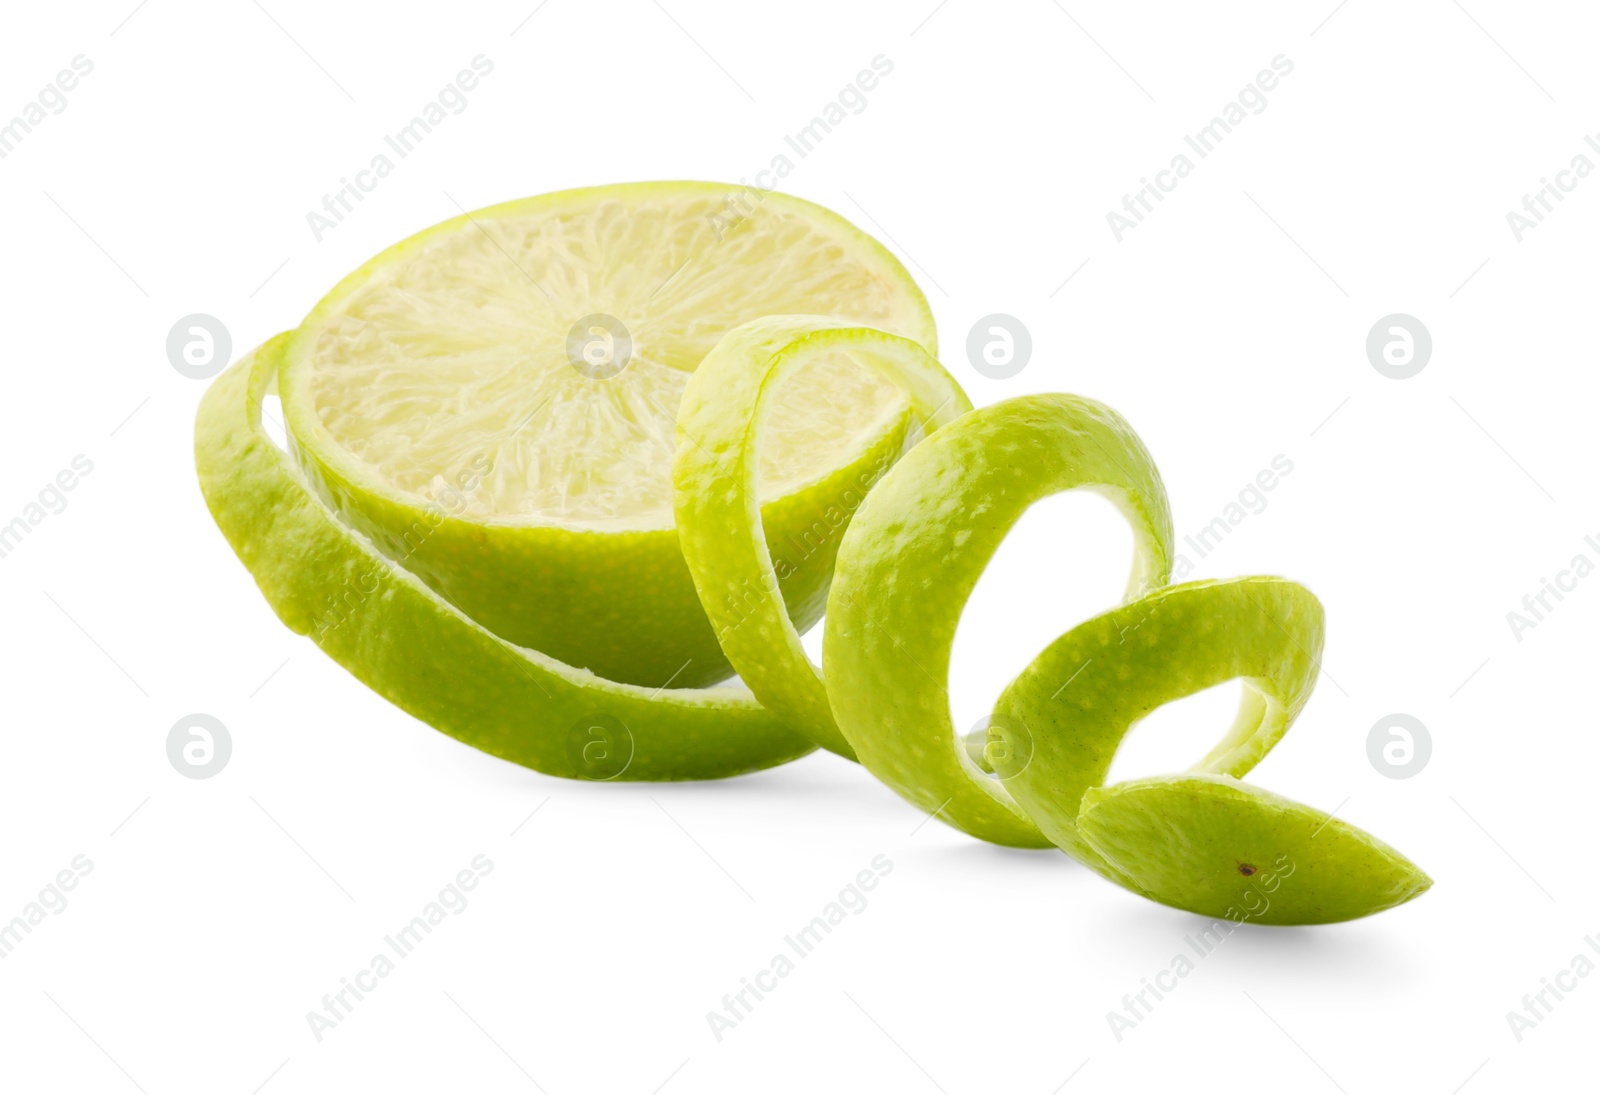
(715, 473)
(1215, 846)
(418, 651)
(939, 515)
(908, 562)
(910, 558)
(1079, 698)
(1202, 840)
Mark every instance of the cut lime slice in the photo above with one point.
(493, 402)
(415, 649)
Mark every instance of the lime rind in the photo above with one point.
(911, 558)
(721, 424)
(1212, 845)
(910, 547)
(409, 645)
(1086, 690)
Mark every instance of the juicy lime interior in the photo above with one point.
(449, 362)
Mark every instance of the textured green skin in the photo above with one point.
(410, 646)
(717, 511)
(911, 558)
(1201, 841)
(621, 604)
(1124, 664)
(1184, 841)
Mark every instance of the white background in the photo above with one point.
(1228, 328)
